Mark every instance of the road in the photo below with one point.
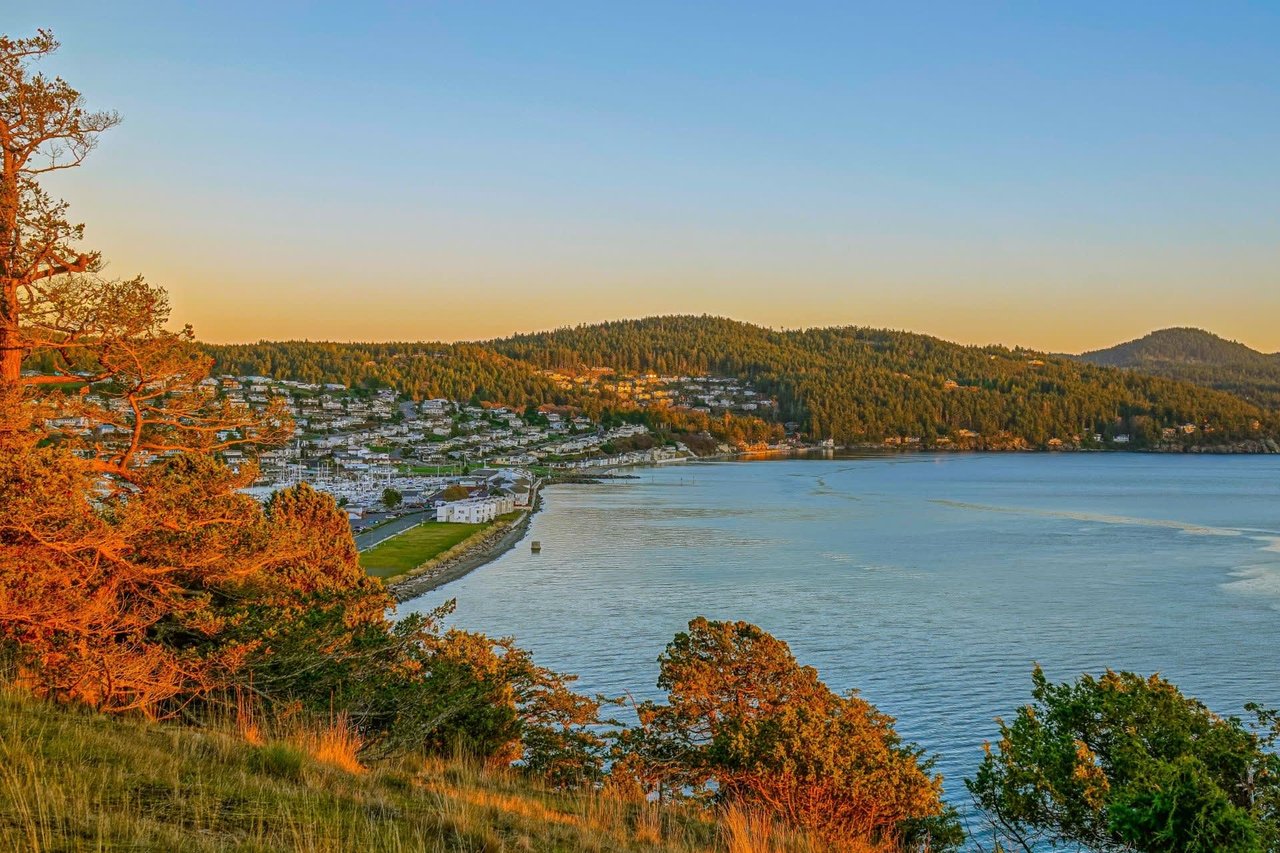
(365, 541)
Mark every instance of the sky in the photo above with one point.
(1063, 176)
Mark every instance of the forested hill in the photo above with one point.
(859, 385)
(1195, 355)
(854, 385)
(422, 370)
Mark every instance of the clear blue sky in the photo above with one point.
(1061, 175)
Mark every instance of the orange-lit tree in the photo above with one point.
(136, 574)
(117, 522)
(44, 128)
(745, 723)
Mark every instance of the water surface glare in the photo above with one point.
(928, 582)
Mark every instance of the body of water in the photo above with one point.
(930, 583)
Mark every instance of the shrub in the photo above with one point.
(745, 724)
(1127, 762)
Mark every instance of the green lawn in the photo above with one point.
(415, 546)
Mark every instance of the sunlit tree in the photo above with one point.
(44, 128)
(744, 722)
(117, 520)
(1126, 762)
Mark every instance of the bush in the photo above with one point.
(745, 724)
(1127, 762)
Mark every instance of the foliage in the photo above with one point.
(1124, 762)
(744, 722)
(851, 384)
(473, 372)
(1194, 355)
(107, 595)
(135, 574)
(857, 384)
(391, 498)
(421, 370)
(314, 634)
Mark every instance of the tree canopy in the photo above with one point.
(1124, 762)
(853, 385)
(745, 722)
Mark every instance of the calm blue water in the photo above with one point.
(929, 583)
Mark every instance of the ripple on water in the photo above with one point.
(933, 593)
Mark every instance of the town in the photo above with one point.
(378, 452)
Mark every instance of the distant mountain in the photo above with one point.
(1194, 355)
(853, 385)
(860, 385)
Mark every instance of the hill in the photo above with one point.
(74, 779)
(854, 385)
(1194, 355)
(422, 370)
(860, 385)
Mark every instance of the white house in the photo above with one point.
(475, 510)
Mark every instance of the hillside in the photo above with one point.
(853, 385)
(422, 370)
(73, 779)
(865, 385)
(1194, 355)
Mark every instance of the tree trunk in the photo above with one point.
(10, 342)
(10, 352)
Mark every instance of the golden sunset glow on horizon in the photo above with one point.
(458, 184)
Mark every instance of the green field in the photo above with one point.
(415, 546)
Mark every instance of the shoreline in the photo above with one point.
(411, 586)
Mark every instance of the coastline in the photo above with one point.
(418, 583)
(488, 549)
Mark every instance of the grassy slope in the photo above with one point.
(415, 546)
(74, 780)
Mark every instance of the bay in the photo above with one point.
(930, 583)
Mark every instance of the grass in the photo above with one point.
(71, 779)
(406, 551)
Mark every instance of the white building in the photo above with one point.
(475, 510)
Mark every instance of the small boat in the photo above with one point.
(535, 546)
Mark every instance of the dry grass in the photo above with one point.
(73, 780)
(335, 743)
(747, 830)
(247, 722)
